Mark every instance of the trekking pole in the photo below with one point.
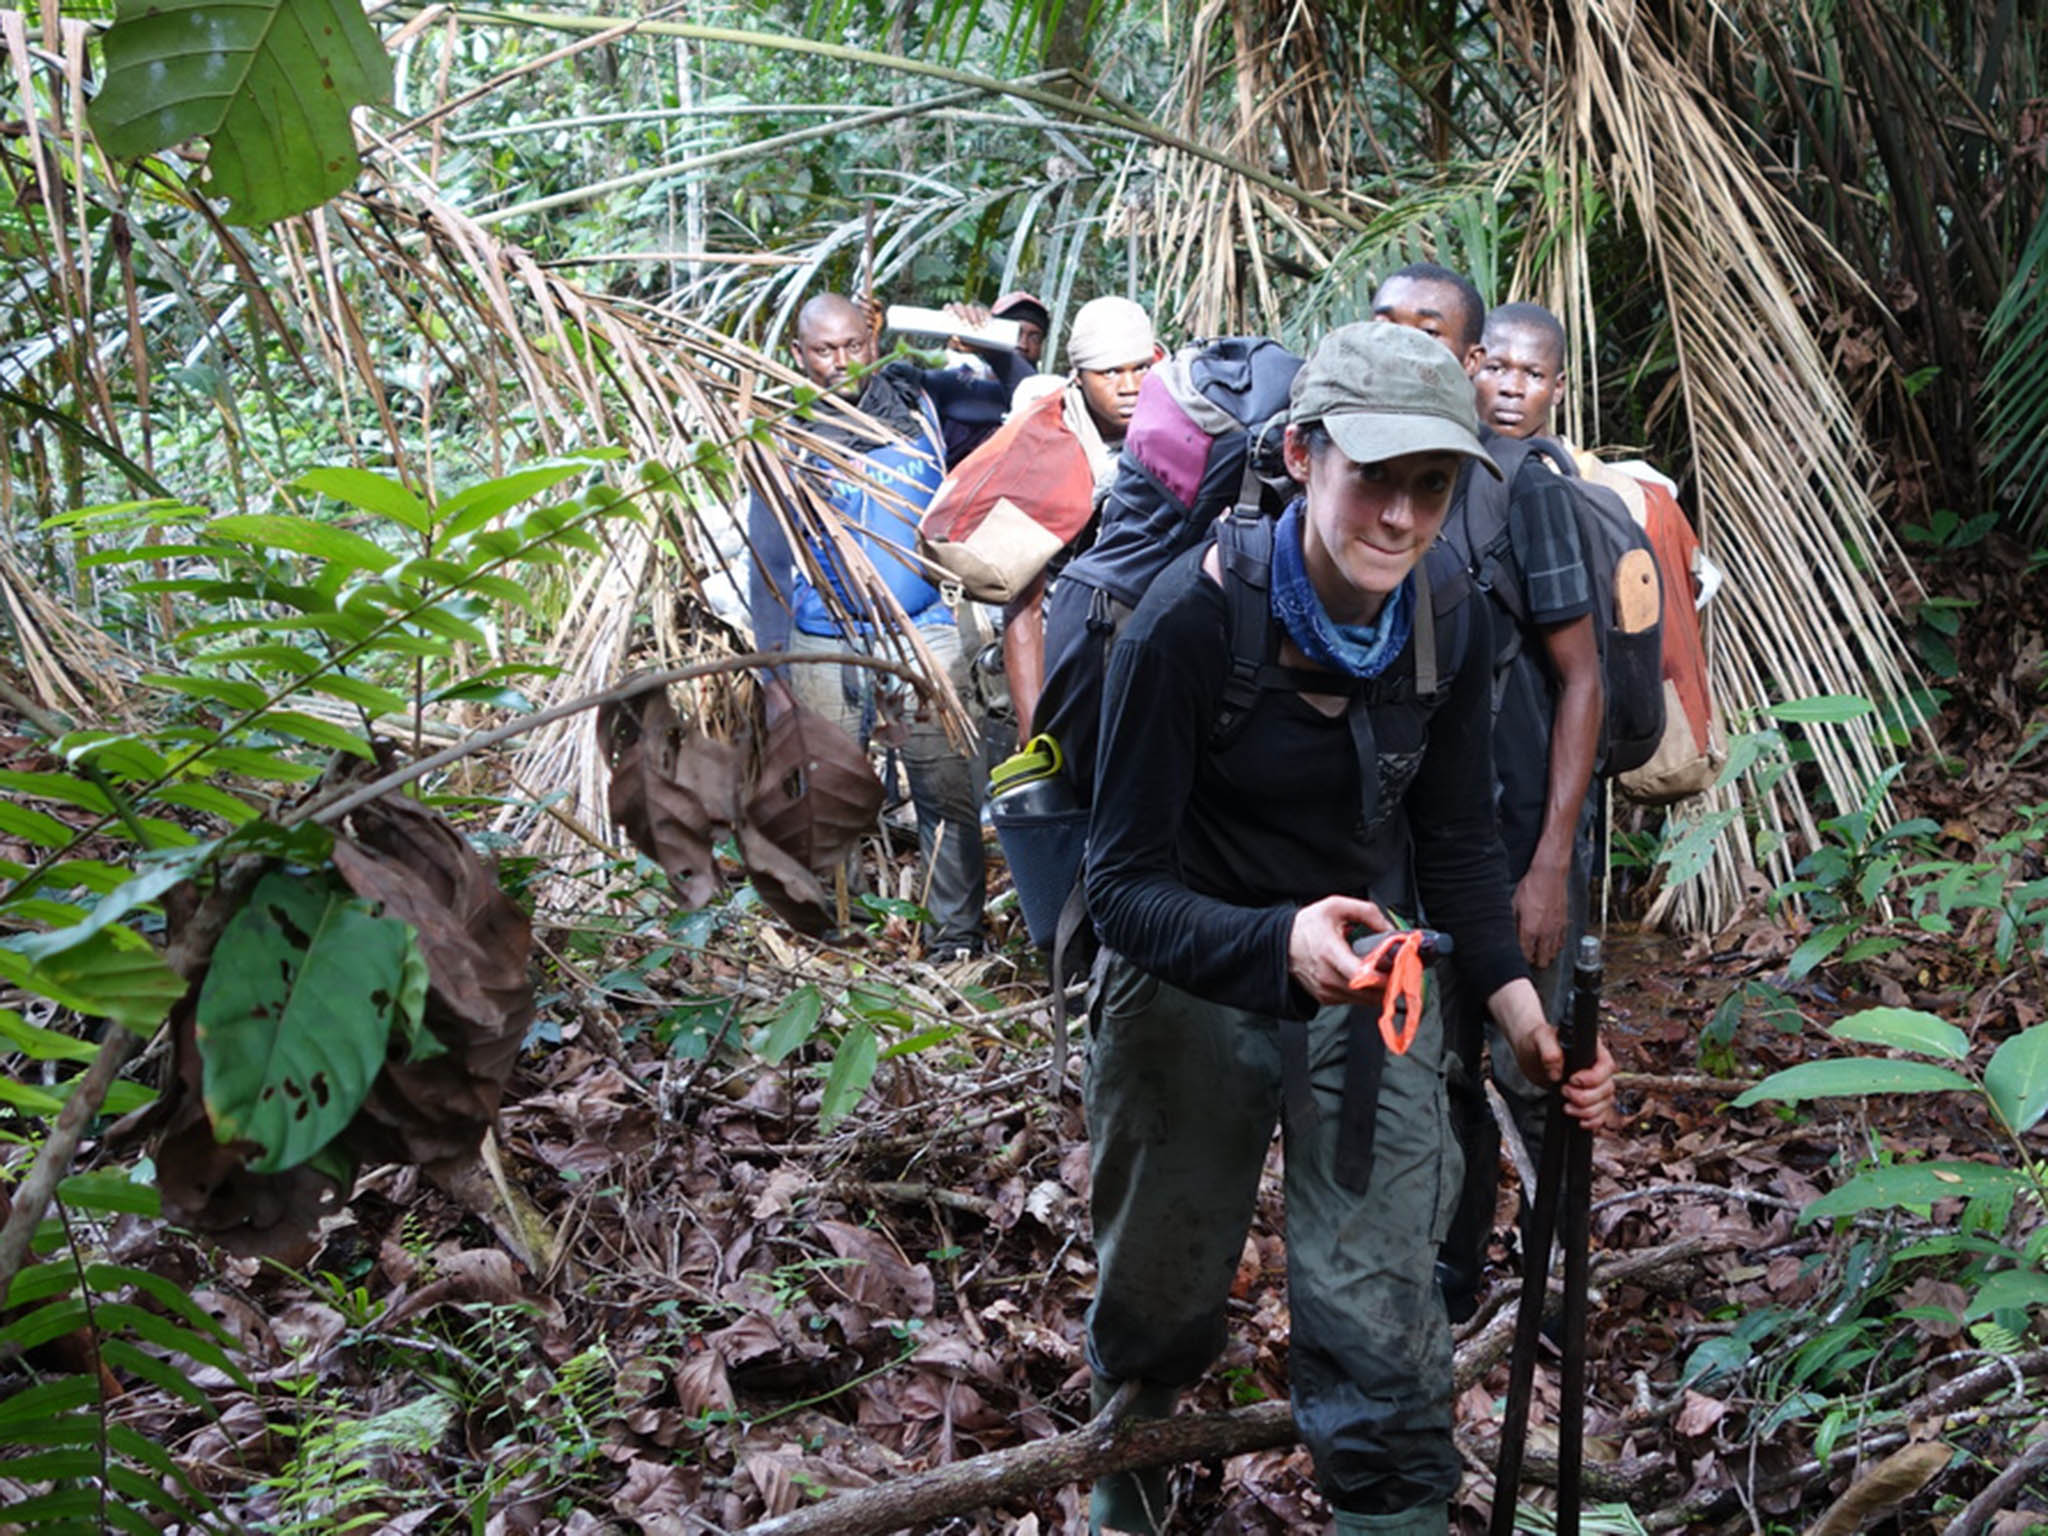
(1580, 1047)
(1562, 1137)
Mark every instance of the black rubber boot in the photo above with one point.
(1133, 1502)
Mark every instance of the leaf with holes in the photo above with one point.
(269, 84)
(296, 1014)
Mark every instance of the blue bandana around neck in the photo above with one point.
(1358, 650)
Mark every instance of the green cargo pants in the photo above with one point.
(1182, 1098)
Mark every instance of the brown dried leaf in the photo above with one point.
(671, 789)
(815, 792)
(1700, 1413)
(786, 888)
(476, 942)
(1926, 1291)
(701, 1385)
(1884, 1487)
(877, 1274)
(472, 1275)
(655, 1495)
(773, 1474)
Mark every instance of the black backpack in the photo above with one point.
(1205, 439)
(1624, 576)
(1244, 543)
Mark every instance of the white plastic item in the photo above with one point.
(936, 322)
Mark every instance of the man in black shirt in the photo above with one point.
(1547, 708)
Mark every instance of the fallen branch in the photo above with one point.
(2002, 1489)
(1682, 1082)
(1101, 1446)
(873, 1191)
(1104, 1445)
(1484, 1348)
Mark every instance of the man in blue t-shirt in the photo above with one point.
(877, 511)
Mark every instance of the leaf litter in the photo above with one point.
(748, 1314)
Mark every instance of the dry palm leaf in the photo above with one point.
(815, 793)
(1784, 474)
(671, 790)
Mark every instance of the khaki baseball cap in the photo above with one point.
(1384, 390)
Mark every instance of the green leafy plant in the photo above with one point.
(2005, 880)
(2013, 1088)
(338, 1479)
(1717, 1054)
(87, 1470)
(1848, 874)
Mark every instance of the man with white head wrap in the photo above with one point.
(1111, 347)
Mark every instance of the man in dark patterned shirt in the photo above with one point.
(1547, 709)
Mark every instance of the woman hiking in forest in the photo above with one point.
(1229, 873)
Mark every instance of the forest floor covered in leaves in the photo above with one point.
(667, 1301)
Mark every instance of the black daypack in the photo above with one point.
(1623, 568)
(1205, 438)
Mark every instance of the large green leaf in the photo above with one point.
(2009, 1288)
(114, 974)
(853, 1068)
(1914, 1187)
(323, 541)
(297, 1012)
(270, 82)
(1905, 1029)
(794, 1024)
(2017, 1079)
(1854, 1075)
(372, 492)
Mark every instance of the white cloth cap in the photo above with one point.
(1110, 332)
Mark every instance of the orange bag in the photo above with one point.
(1692, 752)
(1012, 504)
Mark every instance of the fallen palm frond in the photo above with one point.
(71, 666)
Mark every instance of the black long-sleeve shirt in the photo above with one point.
(1200, 855)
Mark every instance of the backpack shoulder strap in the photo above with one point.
(1478, 525)
(1424, 634)
(1550, 448)
(1244, 550)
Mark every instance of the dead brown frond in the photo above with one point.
(1786, 481)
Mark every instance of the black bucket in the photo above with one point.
(1043, 834)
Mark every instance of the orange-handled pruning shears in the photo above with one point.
(1394, 961)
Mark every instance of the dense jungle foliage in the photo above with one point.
(387, 1143)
